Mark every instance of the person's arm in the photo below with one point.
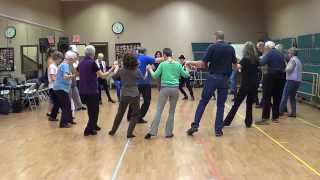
(139, 75)
(290, 66)
(196, 64)
(184, 72)
(105, 75)
(52, 73)
(156, 74)
(265, 60)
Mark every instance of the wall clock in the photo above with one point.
(117, 28)
(10, 32)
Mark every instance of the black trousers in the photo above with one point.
(62, 100)
(134, 106)
(273, 85)
(102, 83)
(145, 91)
(92, 102)
(248, 92)
(185, 82)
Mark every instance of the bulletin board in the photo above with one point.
(6, 59)
(125, 48)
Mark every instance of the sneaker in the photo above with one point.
(112, 133)
(148, 136)
(191, 131)
(262, 122)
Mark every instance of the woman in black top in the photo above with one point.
(248, 88)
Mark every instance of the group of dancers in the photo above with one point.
(77, 85)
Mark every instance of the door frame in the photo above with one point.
(106, 54)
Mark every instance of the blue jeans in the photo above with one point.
(213, 83)
(290, 91)
(117, 84)
(233, 80)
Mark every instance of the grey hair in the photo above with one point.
(90, 51)
(219, 35)
(270, 44)
(293, 51)
(250, 52)
(70, 55)
(279, 47)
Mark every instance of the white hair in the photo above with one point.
(270, 44)
(74, 48)
(90, 51)
(100, 56)
(70, 55)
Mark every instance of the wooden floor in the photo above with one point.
(32, 148)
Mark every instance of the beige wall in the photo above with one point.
(159, 23)
(45, 12)
(287, 18)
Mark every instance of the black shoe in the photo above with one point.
(292, 115)
(225, 123)
(48, 114)
(88, 133)
(131, 136)
(258, 106)
(83, 108)
(52, 119)
(66, 126)
(98, 128)
(185, 98)
(191, 131)
(219, 133)
(112, 133)
(148, 136)
(170, 136)
(142, 121)
(248, 126)
(112, 101)
(73, 123)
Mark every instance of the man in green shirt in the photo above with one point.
(170, 72)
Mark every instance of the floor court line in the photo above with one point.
(119, 163)
(308, 123)
(308, 166)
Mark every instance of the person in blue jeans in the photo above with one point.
(220, 56)
(294, 77)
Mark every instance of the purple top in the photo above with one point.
(88, 77)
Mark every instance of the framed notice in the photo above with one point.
(123, 48)
(6, 59)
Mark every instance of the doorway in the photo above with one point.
(102, 47)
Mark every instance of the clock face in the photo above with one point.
(10, 32)
(117, 28)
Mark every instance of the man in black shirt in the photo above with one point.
(220, 56)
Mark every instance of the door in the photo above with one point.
(102, 47)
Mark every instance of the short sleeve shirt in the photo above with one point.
(61, 83)
(52, 70)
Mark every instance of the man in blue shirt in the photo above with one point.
(220, 57)
(273, 82)
(144, 85)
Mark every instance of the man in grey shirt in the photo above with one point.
(128, 75)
